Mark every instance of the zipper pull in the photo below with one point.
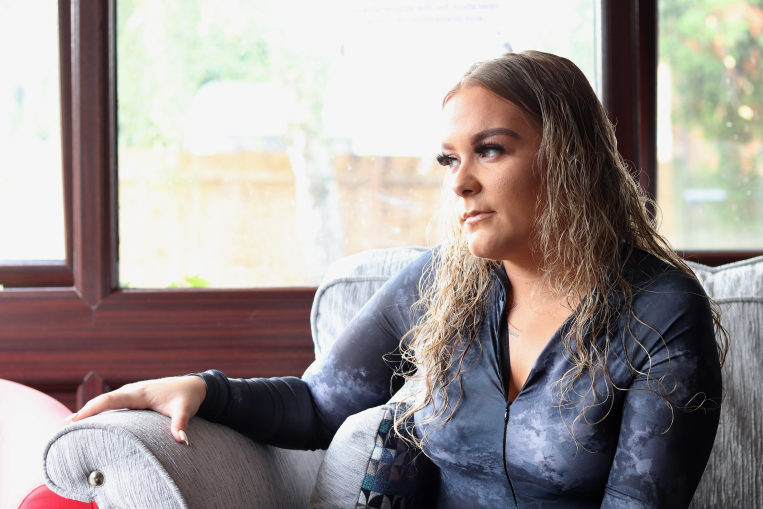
(506, 414)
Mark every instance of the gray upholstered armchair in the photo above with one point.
(128, 459)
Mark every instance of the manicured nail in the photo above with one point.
(70, 418)
(183, 437)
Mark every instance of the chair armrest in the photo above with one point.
(143, 466)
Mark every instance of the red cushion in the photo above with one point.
(42, 498)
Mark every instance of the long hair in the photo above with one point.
(590, 214)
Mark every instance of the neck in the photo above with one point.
(525, 280)
(529, 291)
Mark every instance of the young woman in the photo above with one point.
(564, 356)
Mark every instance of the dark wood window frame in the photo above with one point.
(60, 321)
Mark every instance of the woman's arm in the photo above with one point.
(663, 449)
(357, 373)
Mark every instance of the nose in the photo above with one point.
(463, 181)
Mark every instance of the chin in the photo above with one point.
(496, 247)
(480, 250)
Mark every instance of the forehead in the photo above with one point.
(475, 108)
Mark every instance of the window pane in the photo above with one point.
(710, 134)
(31, 189)
(261, 140)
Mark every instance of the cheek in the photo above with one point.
(527, 185)
(519, 198)
(514, 190)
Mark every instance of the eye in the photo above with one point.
(448, 161)
(489, 151)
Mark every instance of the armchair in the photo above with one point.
(127, 459)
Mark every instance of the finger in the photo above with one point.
(110, 401)
(179, 425)
(92, 407)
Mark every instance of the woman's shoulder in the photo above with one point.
(410, 275)
(671, 320)
(649, 274)
(401, 288)
(667, 297)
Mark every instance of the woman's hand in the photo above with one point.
(179, 398)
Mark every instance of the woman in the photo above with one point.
(564, 355)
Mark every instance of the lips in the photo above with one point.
(475, 216)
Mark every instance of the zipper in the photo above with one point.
(504, 362)
(505, 465)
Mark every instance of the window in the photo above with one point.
(709, 136)
(64, 318)
(34, 224)
(256, 149)
(31, 190)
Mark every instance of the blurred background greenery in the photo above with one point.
(710, 178)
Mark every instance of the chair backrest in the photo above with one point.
(734, 475)
(347, 286)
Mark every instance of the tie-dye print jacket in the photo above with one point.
(632, 451)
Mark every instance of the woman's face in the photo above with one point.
(490, 149)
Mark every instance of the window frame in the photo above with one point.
(63, 320)
(56, 333)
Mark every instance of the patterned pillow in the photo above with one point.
(369, 465)
(397, 474)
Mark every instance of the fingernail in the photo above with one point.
(183, 437)
(70, 418)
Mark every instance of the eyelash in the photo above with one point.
(446, 160)
(481, 149)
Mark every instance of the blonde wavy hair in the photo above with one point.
(591, 213)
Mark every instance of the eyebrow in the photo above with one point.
(487, 133)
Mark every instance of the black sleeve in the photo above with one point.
(231, 401)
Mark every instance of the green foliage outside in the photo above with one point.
(713, 49)
(194, 281)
